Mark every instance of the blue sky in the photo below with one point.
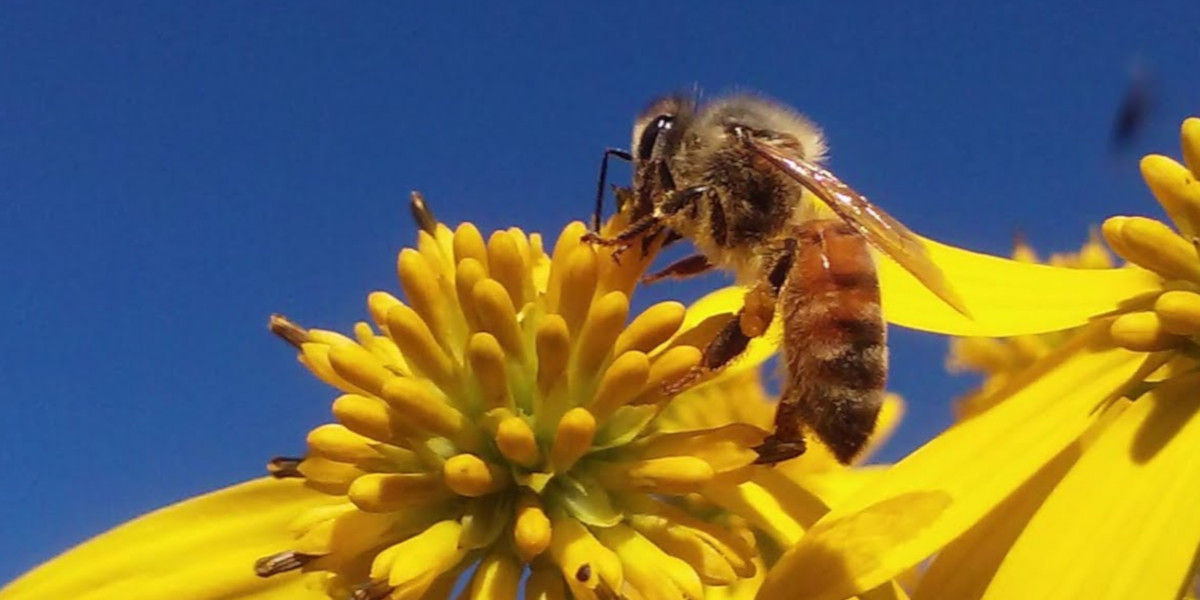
(172, 173)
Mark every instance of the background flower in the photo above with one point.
(1079, 480)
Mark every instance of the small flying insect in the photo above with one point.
(738, 177)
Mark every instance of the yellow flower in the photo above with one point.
(1081, 479)
(505, 418)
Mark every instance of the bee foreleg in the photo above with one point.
(683, 268)
(648, 225)
(598, 217)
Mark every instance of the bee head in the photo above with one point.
(660, 126)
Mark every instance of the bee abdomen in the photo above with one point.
(834, 338)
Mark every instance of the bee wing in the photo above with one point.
(879, 228)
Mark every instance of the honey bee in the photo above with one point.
(738, 177)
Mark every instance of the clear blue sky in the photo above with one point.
(172, 173)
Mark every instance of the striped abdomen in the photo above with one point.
(834, 344)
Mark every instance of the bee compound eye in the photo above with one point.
(650, 136)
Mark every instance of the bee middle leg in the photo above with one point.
(683, 268)
(751, 321)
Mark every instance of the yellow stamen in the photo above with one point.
(386, 492)
(328, 476)
(531, 532)
(507, 266)
(668, 368)
(316, 358)
(515, 440)
(1175, 189)
(654, 573)
(438, 550)
(585, 563)
(336, 442)
(469, 273)
(496, 578)
(487, 362)
(668, 475)
(1190, 134)
(498, 317)
(651, 328)
(378, 305)
(600, 330)
(371, 417)
(545, 584)
(724, 448)
(566, 244)
(420, 285)
(359, 367)
(1179, 310)
(578, 287)
(417, 343)
(468, 243)
(553, 345)
(621, 382)
(1142, 332)
(1153, 245)
(572, 438)
(419, 404)
(468, 475)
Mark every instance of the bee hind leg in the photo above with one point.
(683, 268)
(776, 449)
(751, 321)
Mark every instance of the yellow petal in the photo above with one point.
(949, 484)
(1122, 522)
(204, 547)
(964, 568)
(1005, 297)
